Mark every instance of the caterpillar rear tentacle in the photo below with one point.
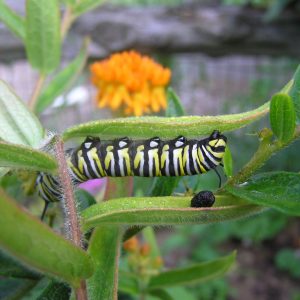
(146, 158)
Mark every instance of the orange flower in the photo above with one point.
(130, 81)
(131, 245)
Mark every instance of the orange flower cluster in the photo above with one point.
(130, 81)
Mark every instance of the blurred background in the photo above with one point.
(226, 56)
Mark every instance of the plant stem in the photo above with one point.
(80, 292)
(36, 92)
(265, 150)
(66, 22)
(71, 218)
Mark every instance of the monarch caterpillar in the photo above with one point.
(147, 158)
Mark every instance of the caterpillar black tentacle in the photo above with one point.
(154, 157)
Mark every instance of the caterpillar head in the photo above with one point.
(217, 141)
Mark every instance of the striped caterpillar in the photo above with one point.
(146, 158)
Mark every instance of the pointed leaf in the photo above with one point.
(280, 190)
(37, 246)
(174, 108)
(164, 186)
(13, 269)
(282, 117)
(17, 124)
(43, 34)
(128, 283)
(161, 294)
(23, 157)
(12, 20)
(84, 6)
(195, 274)
(146, 127)
(164, 211)
(105, 251)
(62, 81)
(55, 291)
(295, 93)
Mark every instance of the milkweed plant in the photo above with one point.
(98, 255)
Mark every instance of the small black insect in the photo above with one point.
(203, 199)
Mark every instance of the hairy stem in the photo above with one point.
(71, 218)
(265, 150)
(36, 91)
(117, 259)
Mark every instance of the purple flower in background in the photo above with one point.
(93, 186)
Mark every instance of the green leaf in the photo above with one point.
(161, 294)
(84, 199)
(43, 41)
(13, 269)
(227, 160)
(150, 239)
(174, 108)
(84, 6)
(179, 293)
(105, 251)
(17, 124)
(164, 186)
(295, 93)
(195, 274)
(128, 283)
(68, 2)
(12, 20)
(55, 291)
(282, 117)
(164, 211)
(3, 171)
(146, 127)
(23, 157)
(62, 80)
(280, 190)
(288, 260)
(34, 244)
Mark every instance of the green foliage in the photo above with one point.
(84, 6)
(13, 21)
(23, 157)
(84, 199)
(280, 190)
(174, 108)
(282, 117)
(194, 274)
(192, 126)
(55, 291)
(13, 269)
(147, 2)
(39, 253)
(227, 160)
(17, 124)
(62, 81)
(43, 40)
(104, 249)
(295, 93)
(164, 211)
(37, 246)
(288, 260)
